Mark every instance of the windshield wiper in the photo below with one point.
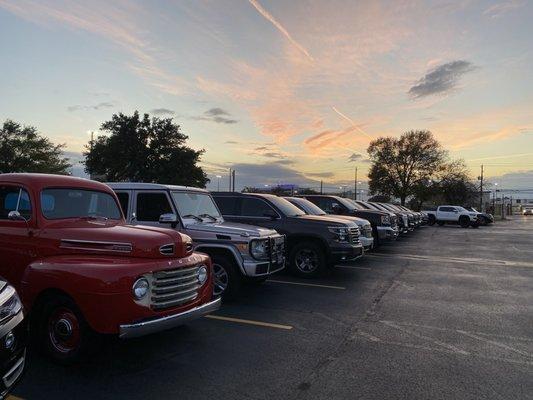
(209, 216)
(196, 217)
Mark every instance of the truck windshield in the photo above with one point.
(307, 206)
(78, 203)
(285, 207)
(196, 205)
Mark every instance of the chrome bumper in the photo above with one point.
(170, 321)
(387, 233)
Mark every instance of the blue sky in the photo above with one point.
(282, 91)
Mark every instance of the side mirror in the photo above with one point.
(271, 214)
(168, 219)
(15, 216)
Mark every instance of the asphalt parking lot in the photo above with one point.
(443, 313)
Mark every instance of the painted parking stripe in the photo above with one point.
(353, 267)
(307, 284)
(249, 322)
(456, 260)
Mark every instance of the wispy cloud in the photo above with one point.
(499, 9)
(117, 22)
(351, 121)
(441, 79)
(217, 115)
(162, 111)
(99, 106)
(280, 28)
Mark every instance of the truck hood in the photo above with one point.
(230, 228)
(117, 239)
(329, 220)
(349, 218)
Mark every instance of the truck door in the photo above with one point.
(149, 205)
(17, 248)
(255, 211)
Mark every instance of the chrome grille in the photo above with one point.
(394, 220)
(174, 287)
(276, 249)
(354, 235)
(167, 249)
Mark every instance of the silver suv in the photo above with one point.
(239, 252)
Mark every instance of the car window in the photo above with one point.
(124, 200)
(150, 206)
(195, 203)
(252, 207)
(13, 198)
(447, 209)
(78, 203)
(227, 204)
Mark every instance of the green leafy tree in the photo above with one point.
(455, 185)
(23, 149)
(399, 165)
(144, 150)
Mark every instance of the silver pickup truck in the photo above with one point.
(239, 252)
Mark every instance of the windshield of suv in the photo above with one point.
(285, 207)
(196, 205)
(78, 203)
(307, 206)
(350, 204)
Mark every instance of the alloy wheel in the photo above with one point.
(221, 280)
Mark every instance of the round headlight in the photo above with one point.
(140, 288)
(259, 248)
(202, 274)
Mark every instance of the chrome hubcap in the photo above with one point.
(306, 260)
(63, 328)
(221, 279)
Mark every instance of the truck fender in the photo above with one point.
(205, 248)
(292, 239)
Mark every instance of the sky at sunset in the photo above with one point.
(283, 91)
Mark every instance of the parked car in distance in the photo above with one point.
(400, 217)
(408, 219)
(13, 338)
(527, 209)
(483, 218)
(382, 228)
(313, 243)
(239, 252)
(81, 271)
(453, 215)
(365, 228)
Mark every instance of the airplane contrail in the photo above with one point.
(351, 121)
(279, 27)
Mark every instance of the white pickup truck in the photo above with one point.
(453, 215)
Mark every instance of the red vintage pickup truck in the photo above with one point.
(80, 270)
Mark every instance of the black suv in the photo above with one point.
(313, 243)
(384, 229)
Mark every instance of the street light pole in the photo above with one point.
(218, 183)
(355, 185)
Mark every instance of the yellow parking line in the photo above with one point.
(249, 322)
(11, 397)
(307, 284)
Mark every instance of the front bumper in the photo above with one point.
(347, 252)
(367, 242)
(170, 321)
(12, 360)
(387, 233)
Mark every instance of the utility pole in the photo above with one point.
(481, 190)
(233, 188)
(321, 183)
(230, 175)
(355, 185)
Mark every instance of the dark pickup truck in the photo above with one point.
(313, 243)
(384, 229)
